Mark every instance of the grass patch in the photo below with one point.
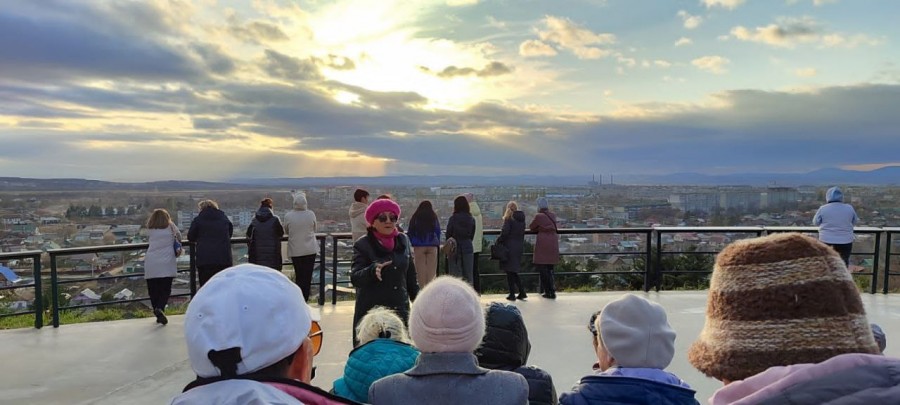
(73, 316)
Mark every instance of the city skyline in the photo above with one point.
(216, 90)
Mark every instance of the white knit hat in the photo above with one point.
(636, 333)
(446, 317)
(250, 307)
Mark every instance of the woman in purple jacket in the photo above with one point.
(546, 247)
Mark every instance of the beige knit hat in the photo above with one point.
(447, 317)
(775, 301)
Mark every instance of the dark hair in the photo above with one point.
(592, 327)
(461, 204)
(267, 202)
(421, 223)
(359, 194)
(385, 197)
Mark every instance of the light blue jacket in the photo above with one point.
(370, 362)
(835, 219)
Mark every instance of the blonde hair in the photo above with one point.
(159, 219)
(381, 322)
(202, 205)
(511, 207)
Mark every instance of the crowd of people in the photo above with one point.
(784, 323)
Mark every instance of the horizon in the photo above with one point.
(138, 91)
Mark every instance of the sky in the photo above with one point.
(215, 90)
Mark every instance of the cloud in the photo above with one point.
(683, 41)
(790, 32)
(574, 38)
(533, 47)
(282, 66)
(806, 72)
(729, 4)
(713, 64)
(690, 21)
(257, 32)
(662, 63)
(459, 3)
(492, 69)
(336, 62)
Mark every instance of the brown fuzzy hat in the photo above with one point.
(775, 301)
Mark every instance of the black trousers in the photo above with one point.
(844, 250)
(548, 285)
(159, 290)
(204, 273)
(303, 271)
(514, 282)
(476, 278)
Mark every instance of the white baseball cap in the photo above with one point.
(250, 307)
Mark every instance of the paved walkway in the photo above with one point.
(138, 362)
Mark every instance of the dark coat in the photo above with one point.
(546, 247)
(506, 347)
(211, 233)
(398, 285)
(265, 233)
(461, 226)
(513, 237)
(600, 389)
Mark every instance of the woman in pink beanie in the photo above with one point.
(383, 271)
(446, 325)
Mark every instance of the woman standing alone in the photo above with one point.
(512, 236)
(300, 225)
(425, 236)
(159, 261)
(264, 233)
(546, 247)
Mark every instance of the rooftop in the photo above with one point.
(139, 362)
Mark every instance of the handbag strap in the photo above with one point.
(551, 220)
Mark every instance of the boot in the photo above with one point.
(522, 295)
(160, 316)
(511, 297)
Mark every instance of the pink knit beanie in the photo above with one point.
(446, 317)
(379, 206)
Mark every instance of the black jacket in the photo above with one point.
(211, 232)
(461, 226)
(506, 347)
(513, 237)
(265, 233)
(398, 285)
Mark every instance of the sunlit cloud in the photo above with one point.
(729, 4)
(690, 21)
(712, 64)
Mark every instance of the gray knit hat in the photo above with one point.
(636, 333)
(775, 301)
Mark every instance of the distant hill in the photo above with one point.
(884, 176)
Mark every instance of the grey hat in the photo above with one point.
(636, 333)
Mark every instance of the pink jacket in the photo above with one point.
(777, 380)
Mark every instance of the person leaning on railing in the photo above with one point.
(159, 262)
(211, 233)
(835, 220)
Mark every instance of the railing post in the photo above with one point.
(658, 266)
(887, 263)
(648, 258)
(38, 294)
(322, 269)
(874, 288)
(334, 273)
(54, 291)
(192, 267)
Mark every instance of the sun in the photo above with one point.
(346, 97)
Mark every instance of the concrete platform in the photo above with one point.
(139, 362)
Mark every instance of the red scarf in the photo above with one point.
(386, 240)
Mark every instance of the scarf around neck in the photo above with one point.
(386, 240)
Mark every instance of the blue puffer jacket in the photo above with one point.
(606, 389)
(371, 362)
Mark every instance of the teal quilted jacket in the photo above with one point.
(370, 362)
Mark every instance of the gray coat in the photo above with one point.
(450, 378)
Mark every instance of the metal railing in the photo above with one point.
(653, 271)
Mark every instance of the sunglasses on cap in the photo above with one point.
(592, 324)
(385, 217)
(316, 336)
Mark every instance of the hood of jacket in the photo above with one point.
(300, 202)
(518, 216)
(505, 344)
(210, 213)
(357, 209)
(264, 214)
(834, 194)
(474, 209)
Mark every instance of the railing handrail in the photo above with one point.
(650, 239)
